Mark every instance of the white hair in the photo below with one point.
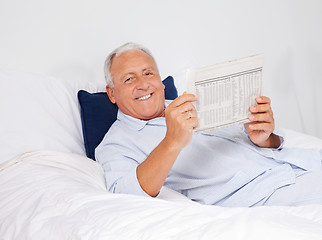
(118, 51)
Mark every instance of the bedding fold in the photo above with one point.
(56, 195)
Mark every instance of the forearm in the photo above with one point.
(181, 120)
(153, 172)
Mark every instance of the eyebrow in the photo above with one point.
(133, 73)
(124, 75)
(148, 68)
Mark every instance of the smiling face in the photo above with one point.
(138, 90)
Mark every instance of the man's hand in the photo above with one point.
(181, 119)
(261, 126)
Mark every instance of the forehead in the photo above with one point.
(131, 61)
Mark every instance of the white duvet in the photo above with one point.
(55, 195)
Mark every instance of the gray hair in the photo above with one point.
(117, 52)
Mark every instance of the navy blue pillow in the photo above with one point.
(98, 114)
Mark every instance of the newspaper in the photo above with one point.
(225, 91)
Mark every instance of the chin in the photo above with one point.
(149, 116)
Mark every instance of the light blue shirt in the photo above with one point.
(222, 167)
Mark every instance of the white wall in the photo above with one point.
(71, 38)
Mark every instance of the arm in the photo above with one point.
(181, 120)
(261, 126)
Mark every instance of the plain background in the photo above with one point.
(71, 38)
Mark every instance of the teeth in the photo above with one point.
(145, 97)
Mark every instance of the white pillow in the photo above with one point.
(40, 112)
(294, 139)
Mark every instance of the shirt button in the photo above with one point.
(237, 138)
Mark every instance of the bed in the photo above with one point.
(51, 189)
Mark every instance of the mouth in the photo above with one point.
(144, 97)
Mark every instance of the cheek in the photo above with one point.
(159, 85)
(124, 92)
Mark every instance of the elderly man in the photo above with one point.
(152, 144)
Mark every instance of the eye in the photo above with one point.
(128, 79)
(148, 73)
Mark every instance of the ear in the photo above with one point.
(110, 94)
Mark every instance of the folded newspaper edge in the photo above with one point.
(225, 91)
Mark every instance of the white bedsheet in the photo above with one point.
(55, 195)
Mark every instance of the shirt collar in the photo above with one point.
(138, 124)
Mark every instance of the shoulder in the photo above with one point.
(115, 133)
(114, 141)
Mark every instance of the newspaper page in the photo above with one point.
(225, 91)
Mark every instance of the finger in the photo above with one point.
(193, 113)
(264, 104)
(183, 112)
(263, 99)
(261, 117)
(187, 97)
(261, 108)
(192, 122)
(190, 113)
(185, 107)
(187, 115)
(259, 126)
(186, 121)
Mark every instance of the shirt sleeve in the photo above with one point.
(127, 183)
(119, 168)
(307, 159)
(266, 152)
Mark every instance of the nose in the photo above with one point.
(142, 83)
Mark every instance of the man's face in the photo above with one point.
(138, 90)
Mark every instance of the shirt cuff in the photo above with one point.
(130, 185)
